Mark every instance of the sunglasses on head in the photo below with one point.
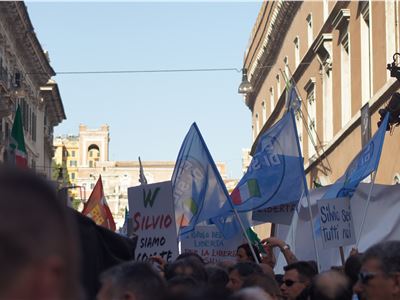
(364, 277)
(289, 282)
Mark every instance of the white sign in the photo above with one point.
(153, 220)
(280, 214)
(209, 243)
(336, 222)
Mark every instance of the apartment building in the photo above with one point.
(25, 80)
(337, 54)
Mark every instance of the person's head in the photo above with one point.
(191, 255)
(379, 277)
(131, 281)
(239, 272)
(264, 281)
(182, 287)
(297, 277)
(186, 267)
(217, 277)
(38, 250)
(251, 293)
(331, 285)
(243, 253)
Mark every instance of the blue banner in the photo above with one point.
(198, 190)
(365, 162)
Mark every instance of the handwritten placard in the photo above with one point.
(153, 220)
(336, 222)
(209, 243)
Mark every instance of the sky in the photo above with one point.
(149, 114)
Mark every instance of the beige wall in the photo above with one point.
(335, 154)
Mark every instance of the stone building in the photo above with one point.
(337, 53)
(85, 157)
(25, 80)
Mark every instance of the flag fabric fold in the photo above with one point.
(363, 164)
(198, 190)
(97, 208)
(17, 148)
(275, 176)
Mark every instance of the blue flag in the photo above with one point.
(198, 189)
(275, 175)
(365, 162)
(292, 100)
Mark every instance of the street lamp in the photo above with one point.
(245, 87)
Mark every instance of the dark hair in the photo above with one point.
(191, 267)
(217, 277)
(387, 253)
(190, 255)
(138, 277)
(247, 249)
(264, 281)
(246, 268)
(352, 267)
(305, 269)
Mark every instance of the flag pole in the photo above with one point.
(305, 185)
(257, 259)
(366, 207)
(312, 228)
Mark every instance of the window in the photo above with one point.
(312, 119)
(365, 55)
(72, 163)
(327, 101)
(299, 129)
(286, 63)
(296, 52)
(33, 126)
(264, 112)
(73, 153)
(278, 87)
(310, 35)
(90, 153)
(345, 79)
(90, 164)
(72, 176)
(257, 125)
(92, 186)
(326, 9)
(271, 99)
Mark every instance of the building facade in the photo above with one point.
(85, 157)
(337, 54)
(25, 80)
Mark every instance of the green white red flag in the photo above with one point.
(97, 208)
(17, 143)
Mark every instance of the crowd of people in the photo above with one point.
(41, 258)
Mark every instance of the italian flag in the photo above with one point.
(189, 210)
(17, 143)
(246, 191)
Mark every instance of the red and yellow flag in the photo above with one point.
(97, 208)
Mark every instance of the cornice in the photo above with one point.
(52, 100)
(281, 19)
(27, 46)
